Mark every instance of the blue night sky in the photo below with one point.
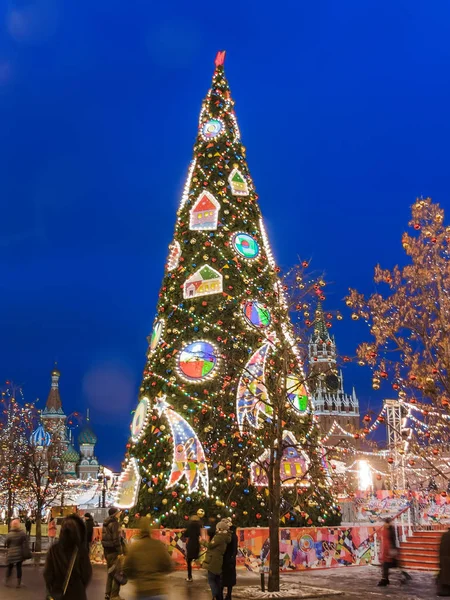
(343, 108)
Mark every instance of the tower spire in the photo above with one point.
(53, 403)
(320, 326)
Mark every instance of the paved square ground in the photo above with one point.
(357, 583)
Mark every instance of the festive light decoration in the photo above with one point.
(205, 213)
(204, 282)
(252, 393)
(293, 467)
(140, 419)
(212, 129)
(128, 486)
(174, 256)
(245, 245)
(257, 314)
(156, 335)
(297, 394)
(237, 183)
(189, 458)
(197, 361)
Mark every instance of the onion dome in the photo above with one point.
(87, 436)
(40, 438)
(70, 455)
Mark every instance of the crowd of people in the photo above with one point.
(146, 561)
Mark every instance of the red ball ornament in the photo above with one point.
(174, 494)
(233, 504)
(258, 516)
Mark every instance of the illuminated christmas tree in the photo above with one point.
(220, 342)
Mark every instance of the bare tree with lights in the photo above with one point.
(45, 478)
(409, 323)
(16, 423)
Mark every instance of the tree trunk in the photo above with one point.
(10, 507)
(274, 526)
(38, 546)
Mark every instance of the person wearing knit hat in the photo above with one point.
(223, 525)
(214, 558)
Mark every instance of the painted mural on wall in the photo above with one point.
(428, 509)
(300, 548)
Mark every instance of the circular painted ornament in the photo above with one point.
(257, 314)
(155, 338)
(197, 361)
(306, 543)
(212, 128)
(245, 245)
(296, 393)
(140, 419)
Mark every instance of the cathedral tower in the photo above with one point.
(53, 417)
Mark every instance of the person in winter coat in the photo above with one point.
(444, 565)
(89, 522)
(51, 531)
(28, 524)
(17, 551)
(389, 553)
(214, 558)
(192, 534)
(112, 547)
(229, 564)
(68, 561)
(146, 564)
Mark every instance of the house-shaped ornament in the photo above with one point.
(238, 184)
(203, 282)
(294, 464)
(205, 213)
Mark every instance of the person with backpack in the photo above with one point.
(112, 548)
(68, 569)
(17, 550)
(214, 558)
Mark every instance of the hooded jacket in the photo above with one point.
(215, 550)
